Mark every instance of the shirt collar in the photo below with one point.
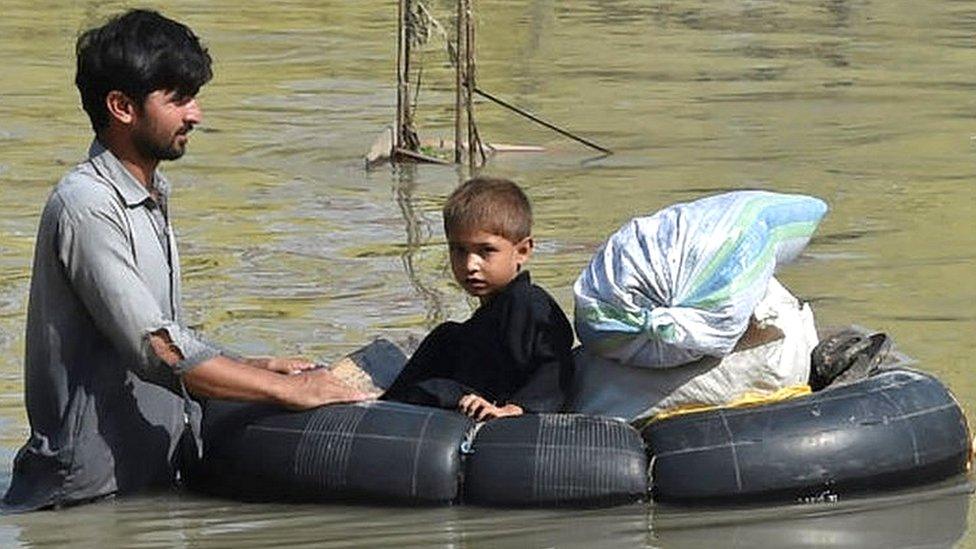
(521, 279)
(128, 187)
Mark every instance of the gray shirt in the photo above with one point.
(106, 415)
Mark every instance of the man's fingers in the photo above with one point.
(300, 363)
(291, 365)
(322, 387)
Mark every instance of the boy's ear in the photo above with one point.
(120, 107)
(524, 249)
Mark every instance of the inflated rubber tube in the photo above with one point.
(555, 460)
(896, 429)
(383, 452)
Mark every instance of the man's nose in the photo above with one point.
(194, 113)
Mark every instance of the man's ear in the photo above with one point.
(120, 107)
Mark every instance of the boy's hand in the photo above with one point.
(480, 409)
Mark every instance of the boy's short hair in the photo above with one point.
(494, 205)
(138, 53)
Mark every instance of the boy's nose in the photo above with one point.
(473, 263)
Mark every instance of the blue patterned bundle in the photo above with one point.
(681, 284)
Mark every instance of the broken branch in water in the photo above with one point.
(540, 121)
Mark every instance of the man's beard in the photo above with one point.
(151, 148)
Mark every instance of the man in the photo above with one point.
(110, 366)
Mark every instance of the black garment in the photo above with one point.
(515, 349)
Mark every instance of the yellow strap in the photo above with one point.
(751, 398)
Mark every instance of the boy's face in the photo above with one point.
(483, 263)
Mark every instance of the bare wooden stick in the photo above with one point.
(474, 69)
(406, 139)
(401, 41)
(458, 80)
(419, 157)
(469, 80)
(540, 121)
(481, 146)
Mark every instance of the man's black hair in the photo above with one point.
(138, 53)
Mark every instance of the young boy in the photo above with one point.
(513, 355)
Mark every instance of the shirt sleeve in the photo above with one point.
(541, 338)
(426, 378)
(97, 258)
(439, 392)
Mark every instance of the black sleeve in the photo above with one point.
(438, 391)
(541, 338)
(426, 378)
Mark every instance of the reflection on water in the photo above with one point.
(937, 518)
(419, 232)
(289, 246)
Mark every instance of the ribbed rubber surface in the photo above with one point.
(893, 430)
(380, 451)
(555, 460)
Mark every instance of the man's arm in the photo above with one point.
(282, 365)
(225, 378)
(93, 247)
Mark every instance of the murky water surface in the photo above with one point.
(290, 246)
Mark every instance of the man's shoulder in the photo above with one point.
(82, 190)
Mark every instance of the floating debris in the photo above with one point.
(416, 26)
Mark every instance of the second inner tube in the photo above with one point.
(556, 460)
(896, 429)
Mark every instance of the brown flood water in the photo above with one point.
(290, 246)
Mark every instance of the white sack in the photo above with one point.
(608, 388)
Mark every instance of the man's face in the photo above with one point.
(484, 263)
(163, 124)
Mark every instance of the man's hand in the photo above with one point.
(282, 365)
(224, 378)
(313, 388)
(480, 409)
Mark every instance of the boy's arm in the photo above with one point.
(547, 387)
(438, 391)
(546, 347)
(426, 378)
